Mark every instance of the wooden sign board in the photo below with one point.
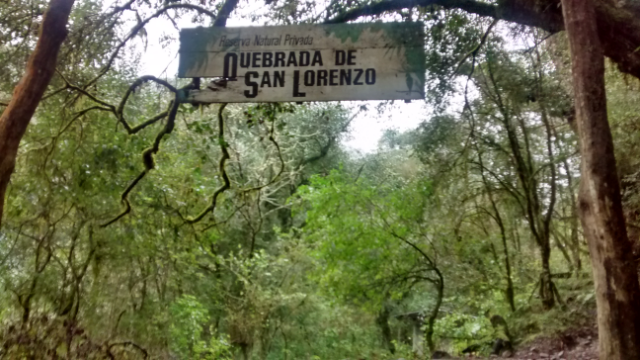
(375, 61)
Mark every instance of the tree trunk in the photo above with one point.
(383, 322)
(509, 292)
(539, 221)
(546, 284)
(27, 94)
(615, 277)
(575, 242)
(431, 321)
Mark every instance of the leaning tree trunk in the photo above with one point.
(614, 272)
(28, 93)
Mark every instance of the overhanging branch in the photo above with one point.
(618, 26)
(524, 14)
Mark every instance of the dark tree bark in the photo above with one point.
(28, 93)
(225, 11)
(546, 284)
(433, 316)
(618, 21)
(383, 322)
(614, 271)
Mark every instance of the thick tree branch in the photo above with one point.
(523, 14)
(119, 111)
(153, 120)
(225, 12)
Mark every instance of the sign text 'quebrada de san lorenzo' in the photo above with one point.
(376, 61)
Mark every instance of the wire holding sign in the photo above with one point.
(379, 61)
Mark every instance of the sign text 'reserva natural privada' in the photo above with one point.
(377, 61)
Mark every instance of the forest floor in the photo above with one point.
(576, 344)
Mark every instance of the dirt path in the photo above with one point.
(579, 344)
(585, 350)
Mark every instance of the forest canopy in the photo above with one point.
(135, 225)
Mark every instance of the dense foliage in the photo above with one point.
(255, 234)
